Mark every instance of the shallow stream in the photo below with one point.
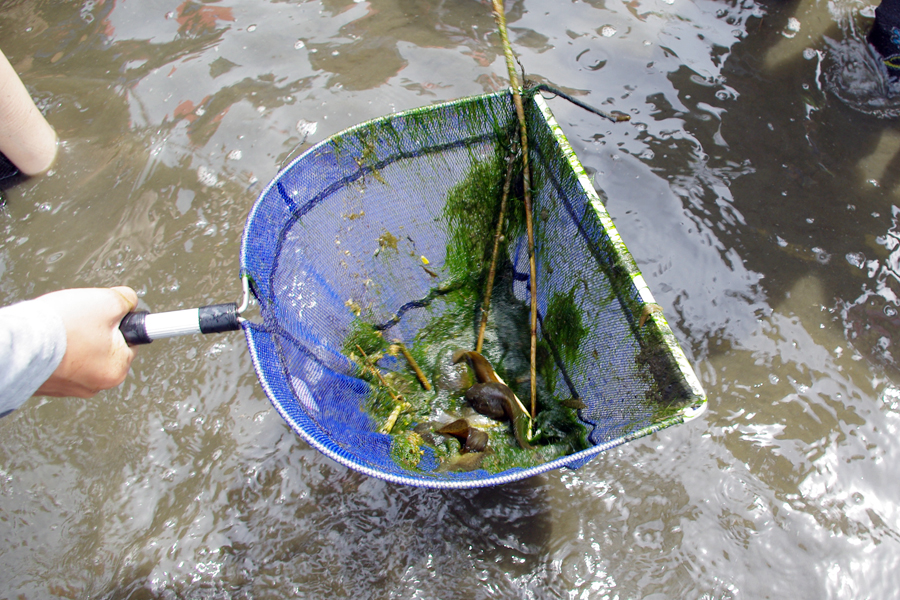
(757, 185)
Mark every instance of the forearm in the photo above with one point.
(32, 345)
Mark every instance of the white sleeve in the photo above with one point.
(32, 344)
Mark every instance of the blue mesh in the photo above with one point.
(311, 251)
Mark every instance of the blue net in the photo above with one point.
(381, 230)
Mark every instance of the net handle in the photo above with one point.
(142, 327)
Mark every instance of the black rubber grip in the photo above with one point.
(134, 329)
(219, 317)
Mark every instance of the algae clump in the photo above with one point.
(406, 449)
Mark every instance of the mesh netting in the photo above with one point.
(358, 230)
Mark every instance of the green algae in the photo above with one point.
(452, 328)
(469, 218)
(365, 336)
(667, 392)
(406, 449)
(388, 240)
(564, 328)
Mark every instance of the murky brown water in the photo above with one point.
(763, 211)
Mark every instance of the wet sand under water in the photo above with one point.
(760, 205)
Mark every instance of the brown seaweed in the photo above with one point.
(470, 438)
(497, 401)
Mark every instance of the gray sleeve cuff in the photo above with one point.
(32, 344)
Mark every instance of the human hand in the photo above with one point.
(97, 357)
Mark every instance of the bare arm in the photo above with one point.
(25, 136)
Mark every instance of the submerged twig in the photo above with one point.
(392, 418)
(399, 403)
(500, 17)
(486, 306)
(394, 396)
(415, 366)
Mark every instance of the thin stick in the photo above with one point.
(415, 366)
(500, 17)
(392, 418)
(399, 404)
(394, 397)
(486, 307)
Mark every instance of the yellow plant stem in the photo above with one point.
(394, 396)
(500, 17)
(486, 306)
(415, 366)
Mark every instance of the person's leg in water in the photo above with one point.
(28, 143)
(885, 34)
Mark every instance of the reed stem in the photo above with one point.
(500, 17)
(394, 396)
(486, 306)
(415, 366)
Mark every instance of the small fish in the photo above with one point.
(573, 403)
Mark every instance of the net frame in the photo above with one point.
(345, 159)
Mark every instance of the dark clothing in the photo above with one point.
(885, 33)
(7, 169)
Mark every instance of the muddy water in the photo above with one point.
(757, 186)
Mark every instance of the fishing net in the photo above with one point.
(384, 232)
